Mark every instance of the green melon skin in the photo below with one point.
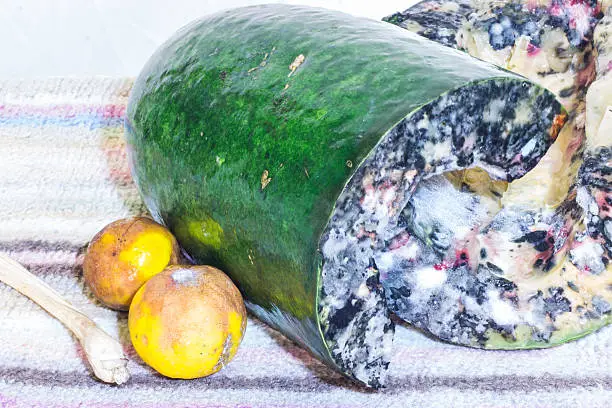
(245, 158)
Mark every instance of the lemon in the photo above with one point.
(124, 255)
(188, 321)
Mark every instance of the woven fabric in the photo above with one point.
(64, 175)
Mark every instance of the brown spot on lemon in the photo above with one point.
(124, 255)
(193, 318)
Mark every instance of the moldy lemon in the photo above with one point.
(124, 255)
(188, 321)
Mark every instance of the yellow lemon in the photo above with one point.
(124, 255)
(188, 321)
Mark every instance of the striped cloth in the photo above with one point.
(63, 176)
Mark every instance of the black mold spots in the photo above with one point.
(594, 174)
(398, 293)
(543, 243)
(514, 20)
(478, 291)
(374, 368)
(504, 284)
(465, 159)
(556, 303)
(494, 268)
(506, 151)
(343, 316)
(532, 237)
(502, 33)
(507, 331)
(573, 286)
(594, 168)
(567, 92)
(601, 306)
(542, 246)
(474, 325)
(542, 336)
(440, 242)
(396, 18)
(372, 282)
(436, 25)
(406, 216)
(458, 142)
(419, 162)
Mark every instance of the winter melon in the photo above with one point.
(283, 144)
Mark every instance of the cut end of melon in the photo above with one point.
(381, 229)
(538, 272)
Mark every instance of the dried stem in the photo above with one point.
(105, 354)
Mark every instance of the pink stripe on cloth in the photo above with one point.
(62, 111)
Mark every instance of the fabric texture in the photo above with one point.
(64, 176)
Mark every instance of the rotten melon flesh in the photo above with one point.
(283, 145)
(524, 265)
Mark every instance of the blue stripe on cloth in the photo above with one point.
(88, 120)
